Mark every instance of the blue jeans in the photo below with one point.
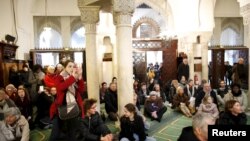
(137, 138)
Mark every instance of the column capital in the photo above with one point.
(123, 6)
(243, 2)
(245, 12)
(82, 3)
(90, 14)
(122, 19)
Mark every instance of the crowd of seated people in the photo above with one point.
(47, 91)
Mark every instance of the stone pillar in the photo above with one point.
(191, 60)
(65, 28)
(245, 12)
(123, 10)
(89, 17)
(204, 39)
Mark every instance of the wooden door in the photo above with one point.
(140, 66)
(218, 59)
(169, 70)
(217, 67)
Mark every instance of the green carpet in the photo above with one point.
(168, 129)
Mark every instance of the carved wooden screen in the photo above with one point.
(217, 67)
(218, 59)
(140, 65)
(169, 49)
(169, 62)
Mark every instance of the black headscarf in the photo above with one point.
(234, 93)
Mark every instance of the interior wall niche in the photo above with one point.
(148, 28)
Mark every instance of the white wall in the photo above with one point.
(227, 8)
(56, 7)
(23, 24)
(25, 10)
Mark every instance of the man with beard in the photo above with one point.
(111, 105)
(237, 94)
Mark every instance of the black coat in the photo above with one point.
(183, 70)
(128, 128)
(226, 118)
(201, 95)
(111, 104)
(93, 127)
(187, 134)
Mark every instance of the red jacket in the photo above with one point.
(61, 86)
(49, 80)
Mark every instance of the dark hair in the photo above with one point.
(113, 78)
(26, 96)
(67, 62)
(190, 80)
(230, 104)
(143, 83)
(235, 85)
(130, 107)
(56, 68)
(88, 103)
(25, 66)
(103, 83)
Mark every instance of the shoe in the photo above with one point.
(169, 105)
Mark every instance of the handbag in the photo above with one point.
(69, 110)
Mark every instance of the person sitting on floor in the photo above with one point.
(181, 101)
(237, 94)
(14, 127)
(233, 114)
(132, 126)
(154, 107)
(92, 125)
(207, 106)
(5, 103)
(111, 105)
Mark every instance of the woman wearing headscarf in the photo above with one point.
(237, 94)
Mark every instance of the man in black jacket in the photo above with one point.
(183, 70)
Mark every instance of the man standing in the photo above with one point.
(239, 72)
(183, 69)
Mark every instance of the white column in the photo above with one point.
(204, 60)
(123, 13)
(204, 38)
(89, 17)
(65, 28)
(191, 60)
(114, 60)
